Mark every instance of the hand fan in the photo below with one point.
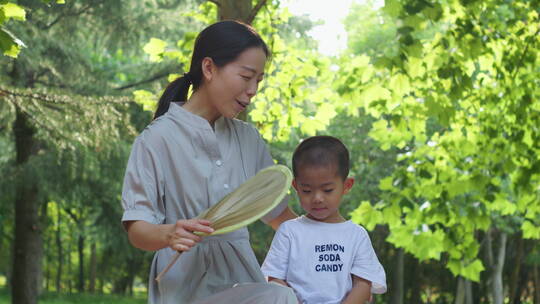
(248, 203)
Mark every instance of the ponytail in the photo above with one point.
(175, 91)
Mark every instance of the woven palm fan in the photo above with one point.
(248, 203)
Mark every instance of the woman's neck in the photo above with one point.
(200, 105)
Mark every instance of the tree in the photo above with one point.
(461, 106)
(46, 100)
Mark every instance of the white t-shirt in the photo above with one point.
(317, 259)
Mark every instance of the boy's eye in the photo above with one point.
(328, 190)
(306, 191)
(245, 77)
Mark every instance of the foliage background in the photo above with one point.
(438, 102)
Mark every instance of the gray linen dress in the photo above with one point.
(178, 167)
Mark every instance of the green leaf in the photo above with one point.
(429, 245)
(146, 99)
(13, 11)
(392, 7)
(9, 44)
(367, 216)
(155, 49)
(386, 183)
(400, 84)
(530, 231)
(173, 77)
(472, 270)
(310, 126)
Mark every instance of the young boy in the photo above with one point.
(323, 257)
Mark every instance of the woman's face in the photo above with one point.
(232, 86)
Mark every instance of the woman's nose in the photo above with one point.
(252, 89)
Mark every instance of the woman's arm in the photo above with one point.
(179, 236)
(360, 292)
(285, 215)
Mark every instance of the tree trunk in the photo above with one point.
(59, 252)
(536, 276)
(27, 244)
(242, 10)
(9, 270)
(93, 268)
(397, 294)
(414, 280)
(42, 227)
(460, 292)
(497, 265)
(468, 292)
(514, 279)
(464, 292)
(47, 266)
(69, 272)
(80, 249)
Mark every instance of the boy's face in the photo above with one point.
(320, 190)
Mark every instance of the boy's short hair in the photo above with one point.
(319, 151)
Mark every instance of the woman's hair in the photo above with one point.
(321, 151)
(223, 41)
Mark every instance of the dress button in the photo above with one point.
(218, 163)
(226, 186)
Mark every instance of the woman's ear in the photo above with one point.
(208, 68)
(347, 184)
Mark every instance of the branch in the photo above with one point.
(255, 11)
(153, 78)
(523, 54)
(71, 214)
(215, 2)
(74, 14)
(56, 99)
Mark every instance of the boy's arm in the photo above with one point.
(360, 292)
(278, 281)
(286, 215)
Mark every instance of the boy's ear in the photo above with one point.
(208, 68)
(347, 184)
(295, 186)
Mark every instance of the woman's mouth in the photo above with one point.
(242, 104)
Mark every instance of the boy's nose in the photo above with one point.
(318, 197)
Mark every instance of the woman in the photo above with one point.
(192, 154)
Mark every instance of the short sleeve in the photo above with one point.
(366, 265)
(264, 159)
(142, 192)
(276, 262)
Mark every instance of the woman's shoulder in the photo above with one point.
(155, 132)
(244, 129)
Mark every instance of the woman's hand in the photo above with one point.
(181, 236)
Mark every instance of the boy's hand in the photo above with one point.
(360, 292)
(181, 236)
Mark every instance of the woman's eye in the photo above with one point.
(328, 190)
(306, 191)
(245, 77)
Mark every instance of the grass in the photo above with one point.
(53, 298)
